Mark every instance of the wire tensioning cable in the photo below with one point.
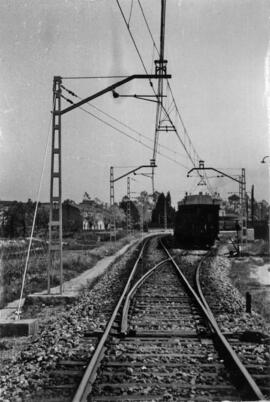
(168, 84)
(143, 64)
(132, 38)
(119, 121)
(18, 313)
(124, 133)
(196, 156)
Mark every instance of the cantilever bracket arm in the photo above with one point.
(215, 170)
(133, 171)
(144, 174)
(112, 87)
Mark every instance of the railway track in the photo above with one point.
(66, 368)
(162, 343)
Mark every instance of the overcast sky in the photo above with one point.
(218, 54)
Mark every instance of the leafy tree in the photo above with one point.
(163, 205)
(42, 219)
(135, 217)
(170, 210)
(144, 204)
(14, 220)
(118, 213)
(155, 196)
(72, 220)
(158, 211)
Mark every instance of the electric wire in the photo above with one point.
(175, 106)
(94, 77)
(148, 27)
(168, 83)
(120, 122)
(132, 38)
(129, 136)
(18, 312)
(132, 129)
(124, 133)
(130, 12)
(143, 64)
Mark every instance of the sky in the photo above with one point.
(218, 54)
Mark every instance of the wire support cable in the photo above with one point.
(130, 12)
(94, 77)
(148, 28)
(18, 312)
(125, 134)
(119, 122)
(131, 137)
(173, 102)
(144, 67)
(133, 40)
(195, 157)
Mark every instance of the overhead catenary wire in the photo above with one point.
(168, 83)
(119, 121)
(145, 69)
(124, 133)
(175, 105)
(122, 123)
(130, 12)
(132, 38)
(148, 27)
(129, 136)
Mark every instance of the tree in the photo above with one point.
(170, 210)
(144, 204)
(135, 217)
(14, 220)
(158, 211)
(163, 206)
(72, 220)
(156, 194)
(42, 219)
(118, 213)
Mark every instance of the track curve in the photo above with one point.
(165, 349)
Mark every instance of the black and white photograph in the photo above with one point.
(134, 200)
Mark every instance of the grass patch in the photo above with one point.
(74, 263)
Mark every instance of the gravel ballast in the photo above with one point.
(26, 363)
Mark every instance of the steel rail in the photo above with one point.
(252, 388)
(198, 285)
(82, 391)
(131, 294)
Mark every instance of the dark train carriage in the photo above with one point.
(197, 221)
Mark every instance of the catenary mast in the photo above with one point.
(160, 69)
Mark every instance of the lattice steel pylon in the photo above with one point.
(160, 71)
(55, 221)
(112, 214)
(242, 191)
(129, 228)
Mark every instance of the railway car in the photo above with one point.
(196, 222)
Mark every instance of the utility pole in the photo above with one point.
(160, 70)
(128, 207)
(242, 188)
(112, 215)
(55, 223)
(165, 214)
(113, 180)
(252, 205)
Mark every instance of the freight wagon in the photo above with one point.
(196, 222)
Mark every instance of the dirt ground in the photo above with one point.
(251, 273)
